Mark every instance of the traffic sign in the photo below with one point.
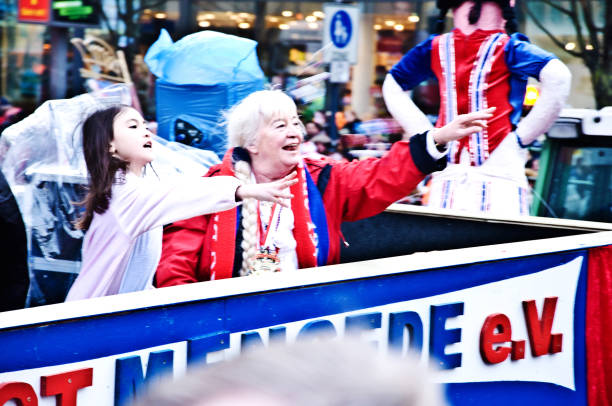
(340, 71)
(340, 32)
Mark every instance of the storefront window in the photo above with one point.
(290, 38)
(289, 33)
(23, 69)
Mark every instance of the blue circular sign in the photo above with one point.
(341, 29)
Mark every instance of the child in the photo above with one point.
(125, 211)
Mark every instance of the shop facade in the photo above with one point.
(289, 34)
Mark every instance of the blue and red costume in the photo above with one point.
(477, 71)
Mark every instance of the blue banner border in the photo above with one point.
(80, 339)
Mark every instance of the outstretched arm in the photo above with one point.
(463, 125)
(365, 188)
(555, 79)
(277, 191)
(402, 108)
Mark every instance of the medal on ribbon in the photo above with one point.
(267, 259)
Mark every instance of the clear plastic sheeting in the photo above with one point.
(42, 160)
(173, 158)
(51, 135)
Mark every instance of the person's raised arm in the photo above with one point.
(463, 125)
(365, 188)
(182, 260)
(527, 60)
(555, 81)
(152, 204)
(402, 108)
(409, 72)
(277, 191)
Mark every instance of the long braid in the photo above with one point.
(249, 244)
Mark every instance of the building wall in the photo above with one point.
(285, 54)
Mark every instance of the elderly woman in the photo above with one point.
(265, 133)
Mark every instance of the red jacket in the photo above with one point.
(351, 191)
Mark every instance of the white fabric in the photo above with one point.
(282, 237)
(432, 149)
(402, 108)
(143, 261)
(408, 115)
(555, 81)
(137, 206)
(503, 176)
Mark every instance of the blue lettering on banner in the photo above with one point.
(130, 379)
(362, 322)
(253, 339)
(277, 334)
(440, 337)
(250, 340)
(332, 308)
(199, 347)
(399, 323)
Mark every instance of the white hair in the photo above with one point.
(246, 118)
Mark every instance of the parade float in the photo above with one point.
(510, 310)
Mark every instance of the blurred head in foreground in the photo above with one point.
(308, 373)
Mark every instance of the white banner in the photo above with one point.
(455, 323)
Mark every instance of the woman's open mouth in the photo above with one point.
(292, 147)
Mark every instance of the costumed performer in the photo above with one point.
(479, 65)
(125, 208)
(266, 133)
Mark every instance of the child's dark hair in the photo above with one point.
(102, 166)
(474, 16)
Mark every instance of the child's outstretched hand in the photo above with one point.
(277, 191)
(462, 125)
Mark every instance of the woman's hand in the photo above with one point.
(277, 191)
(462, 125)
